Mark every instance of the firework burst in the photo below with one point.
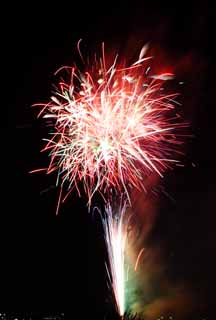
(110, 127)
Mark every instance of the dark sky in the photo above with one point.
(50, 262)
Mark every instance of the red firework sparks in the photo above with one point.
(111, 126)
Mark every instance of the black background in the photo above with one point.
(54, 263)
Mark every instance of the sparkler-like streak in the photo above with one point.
(115, 225)
(110, 127)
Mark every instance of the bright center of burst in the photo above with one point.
(105, 149)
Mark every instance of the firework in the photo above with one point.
(110, 126)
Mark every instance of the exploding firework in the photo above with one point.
(110, 126)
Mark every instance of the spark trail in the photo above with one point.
(115, 224)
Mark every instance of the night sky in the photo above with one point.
(54, 263)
